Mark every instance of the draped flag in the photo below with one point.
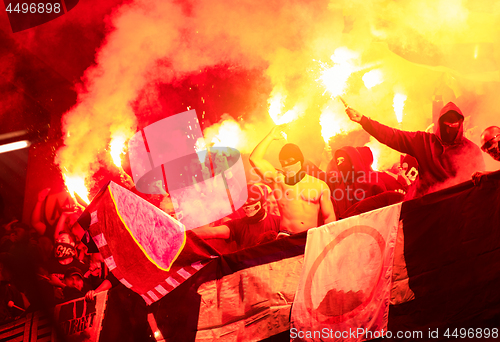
(147, 250)
(345, 286)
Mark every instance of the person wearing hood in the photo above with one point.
(445, 158)
(301, 198)
(402, 177)
(351, 178)
(255, 228)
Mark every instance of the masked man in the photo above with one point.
(445, 158)
(64, 253)
(301, 198)
(489, 142)
(255, 228)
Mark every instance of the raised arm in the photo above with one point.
(327, 206)
(217, 232)
(402, 141)
(36, 216)
(264, 167)
(61, 223)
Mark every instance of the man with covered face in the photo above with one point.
(255, 228)
(490, 139)
(64, 258)
(301, 198)
(490, 142)
(445, 158)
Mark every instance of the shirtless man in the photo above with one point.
(300, 197)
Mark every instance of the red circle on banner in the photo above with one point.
(334, 243)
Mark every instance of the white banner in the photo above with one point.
(344, 290)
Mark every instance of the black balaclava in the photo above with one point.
(288, 152)
(256, 197)
(344, 163)
(449, 134)
(495, 152)
(64, 250)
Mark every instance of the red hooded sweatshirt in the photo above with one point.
(441, 164)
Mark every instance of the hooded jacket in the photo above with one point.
(360, 183)
(441, 164)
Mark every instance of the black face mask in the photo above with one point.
(64, 250)
(296, 178)
(449, 134)
(344, 163)
(259, 215)
(495, 152)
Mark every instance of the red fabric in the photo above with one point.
(161, 245)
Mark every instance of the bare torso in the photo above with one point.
(299, 204)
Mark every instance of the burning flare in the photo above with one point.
(117, 148)
(276, 104)
(329, 125)
(335, 78)
(372, 78)
(399, 104)
(76, 185)
(229, 135)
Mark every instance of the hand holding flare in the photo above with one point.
(353, 114)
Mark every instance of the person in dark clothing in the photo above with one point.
(489, 142)
(64, 258)
(75, 284)
(351, 178)
(378, 201)
(403, 177)
(444, 158)
(255, 228)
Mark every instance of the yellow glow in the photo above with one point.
(201, 149)
(376, 155)
(399, 104)
(373, 78)
(117, 148)
(76, 184)
(335, 78)
(329, 125)
(476, 50)
(276, 104)
(228, 136)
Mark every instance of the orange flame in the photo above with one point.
(276, 104)
(399, 104)
(229, 135)
(335, 78)
(201, 148)
(372, 78)
(329, 125)
(117, 148)
(76, 185)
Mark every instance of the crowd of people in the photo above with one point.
(308, 197)
(42, 264)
